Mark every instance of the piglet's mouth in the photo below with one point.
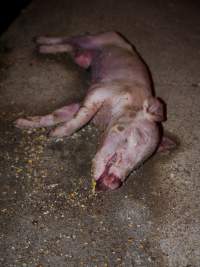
(108, 181)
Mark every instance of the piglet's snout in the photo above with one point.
(109, 182)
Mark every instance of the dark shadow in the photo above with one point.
(9, 10)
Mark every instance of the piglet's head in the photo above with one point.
(127, 144)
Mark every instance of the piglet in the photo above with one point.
(120, 101)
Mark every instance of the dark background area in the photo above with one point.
(9, 11)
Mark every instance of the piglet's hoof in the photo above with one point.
(58, 132)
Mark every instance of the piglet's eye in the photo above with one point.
(120, 128)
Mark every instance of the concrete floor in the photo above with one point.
(49, 214)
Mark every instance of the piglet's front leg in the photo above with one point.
(60, 115)
(92, 103)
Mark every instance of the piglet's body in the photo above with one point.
(119, 100)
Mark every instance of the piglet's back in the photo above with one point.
(113, 63)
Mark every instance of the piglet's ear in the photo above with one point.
(167, 143)
(154, 109)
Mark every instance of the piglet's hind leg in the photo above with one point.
(53, 49)
(44, 40)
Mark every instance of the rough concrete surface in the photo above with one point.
(49, 214)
